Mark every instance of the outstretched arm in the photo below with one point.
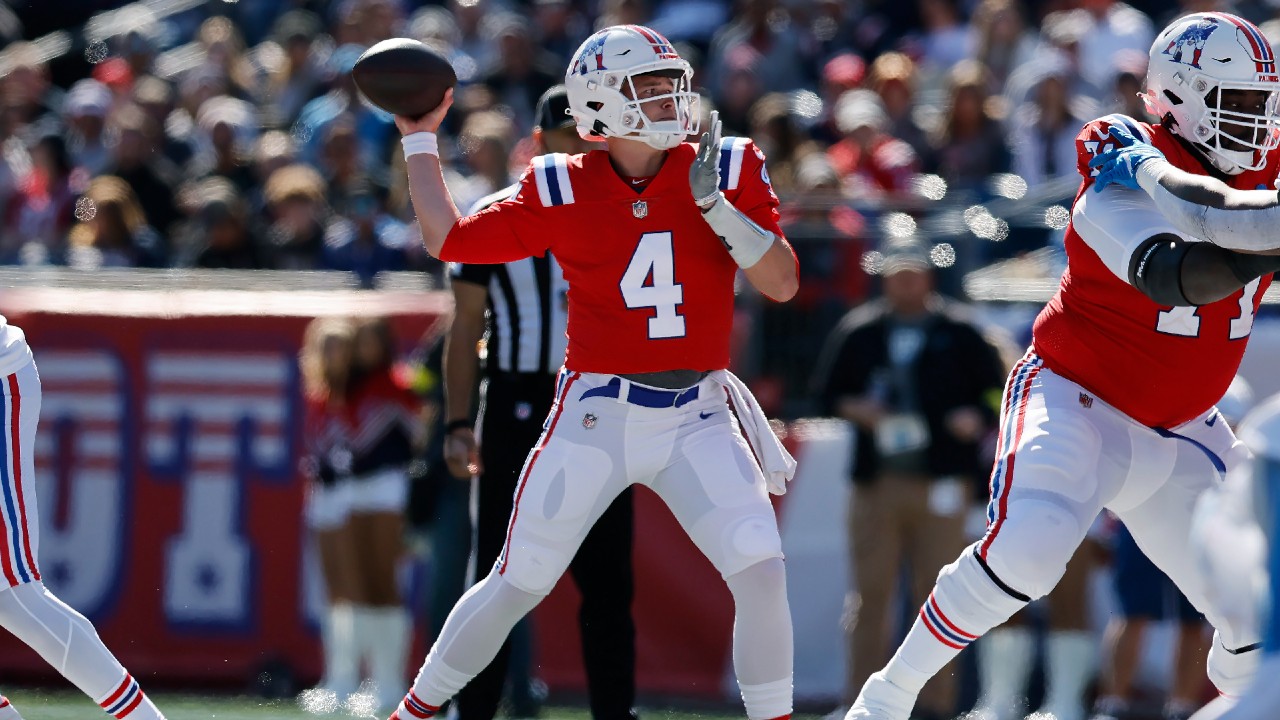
(1200, 206)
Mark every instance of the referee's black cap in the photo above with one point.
(552, 112)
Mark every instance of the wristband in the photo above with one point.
(459, 424)
(420, 143)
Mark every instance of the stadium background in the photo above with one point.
(254, 193)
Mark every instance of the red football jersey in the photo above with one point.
(650, 284)
(1161, 366)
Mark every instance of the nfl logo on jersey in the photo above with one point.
(1085, 401)
(640, 209)
(588, 421)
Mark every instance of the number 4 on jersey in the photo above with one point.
(650, 282)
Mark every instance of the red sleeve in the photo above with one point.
(511, 230)
(1095, 139)
(754, 196)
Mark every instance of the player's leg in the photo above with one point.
(567, 483)
(505, 440)
(59, 634)
(1161, 526)
(1048, 485)
(602, 570)
(7, 710)
(717, 493)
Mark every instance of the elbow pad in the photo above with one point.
(1156, 269)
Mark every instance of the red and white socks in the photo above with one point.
(128, 701)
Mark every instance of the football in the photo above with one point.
(403, 77)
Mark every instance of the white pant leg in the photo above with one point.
(19, 519)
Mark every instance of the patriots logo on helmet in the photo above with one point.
(1191, 42)
(594, 48)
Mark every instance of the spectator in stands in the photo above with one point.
(85, 109)
(220, 234)
(1042, 133)
(274, 150)
(297, 215)
(298, 74)
(1112, 27)
(969, 145)
(486, 142)
(1002, 40)
(137, 161)
(922, 386)
(1131, 68)
(522, 70)
(222, 46)
(340, 163)
(560, 28)
(156, 98)
(25, 89)
(762, 37)
(623, 12)
(893, 78)
(112, 231)
(366, 240)
(871, 162)
(775, 132)
(227, 129)
(373, 127)
(139, 47)
(946, 39)
(39, 214)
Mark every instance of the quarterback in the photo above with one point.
(650, 233)
(1113, 405)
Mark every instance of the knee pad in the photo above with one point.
(1232, 672)
(532, 566)
(1029, 550)
(747, 541)
(968, 600)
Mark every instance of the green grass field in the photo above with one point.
(45, 704)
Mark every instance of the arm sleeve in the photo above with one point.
(1251, 230)
(513, 229)
(745, 182)
(1116, 222)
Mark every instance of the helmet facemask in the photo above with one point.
(1239, 125)
(681, 120)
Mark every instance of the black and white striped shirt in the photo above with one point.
(528, 308)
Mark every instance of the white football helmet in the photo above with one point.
(1192, 63)
(602, 91)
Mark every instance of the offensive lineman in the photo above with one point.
(650, 235)
(1113, 405)
(62, 636)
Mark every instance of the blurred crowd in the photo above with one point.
(230, 134)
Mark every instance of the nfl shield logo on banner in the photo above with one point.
(640, 209)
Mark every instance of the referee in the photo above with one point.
(526, 303)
